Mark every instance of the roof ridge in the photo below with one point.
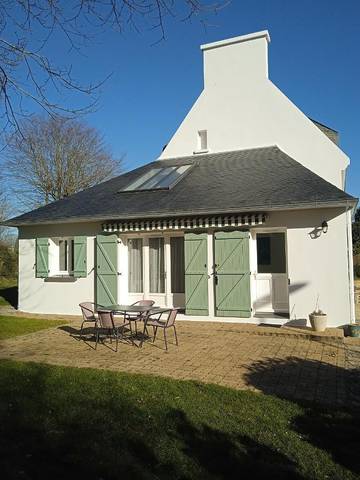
(201, 155)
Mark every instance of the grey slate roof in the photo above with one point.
(260, 179)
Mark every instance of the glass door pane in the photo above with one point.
(271, 253)
(156, 265)
(177, 265)
(135, 265)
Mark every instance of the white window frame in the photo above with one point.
(54, 257)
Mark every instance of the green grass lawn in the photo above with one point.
(8, 291)
(58, 423)
(11, 326)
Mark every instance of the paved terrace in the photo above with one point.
(287, 362)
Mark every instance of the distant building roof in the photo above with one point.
(329, 132)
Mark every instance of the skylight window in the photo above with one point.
(158, 178)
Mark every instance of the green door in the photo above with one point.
(232, 278)
(106, 269)
(196, 276)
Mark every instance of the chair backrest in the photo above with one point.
(106, 319)
(87, 309)
(172, 317)
(145, 303)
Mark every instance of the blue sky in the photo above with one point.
(313, 58)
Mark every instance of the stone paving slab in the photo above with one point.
(294, 366)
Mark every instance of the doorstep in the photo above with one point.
(267, 326)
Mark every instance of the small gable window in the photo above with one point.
(202, 139)
(202, 142)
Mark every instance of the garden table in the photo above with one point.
(124, 309)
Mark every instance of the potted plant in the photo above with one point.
(318, 319)
(354, 330)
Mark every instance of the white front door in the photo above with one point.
(271, 278)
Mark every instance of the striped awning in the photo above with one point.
(190, 223)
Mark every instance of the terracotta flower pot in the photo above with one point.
(318, 322)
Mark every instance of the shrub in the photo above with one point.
(8, 260)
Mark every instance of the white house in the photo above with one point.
(243, 216)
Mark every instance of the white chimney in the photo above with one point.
(235, 60)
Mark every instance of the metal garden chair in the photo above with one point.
(139, 316)
(88, 313)
(107, 327)
(156, 321)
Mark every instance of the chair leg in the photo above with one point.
(96, 338)
(142, 337)
(176, 338)
(117, 340)
(166, 347)
(155, 332)
(81, 329)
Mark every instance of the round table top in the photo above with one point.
(131, 308)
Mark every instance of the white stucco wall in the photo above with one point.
(241, 108)
(38, 295)
(317, 267)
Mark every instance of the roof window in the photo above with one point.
(161, 178)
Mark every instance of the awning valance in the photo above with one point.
(190, 223)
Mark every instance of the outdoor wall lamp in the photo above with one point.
(324, 226)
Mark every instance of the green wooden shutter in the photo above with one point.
(232, 288)
(196, 277)
(106, 269)
(42, 258)
(80, 252)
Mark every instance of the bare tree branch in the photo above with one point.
(28, 72)
(53, 158)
